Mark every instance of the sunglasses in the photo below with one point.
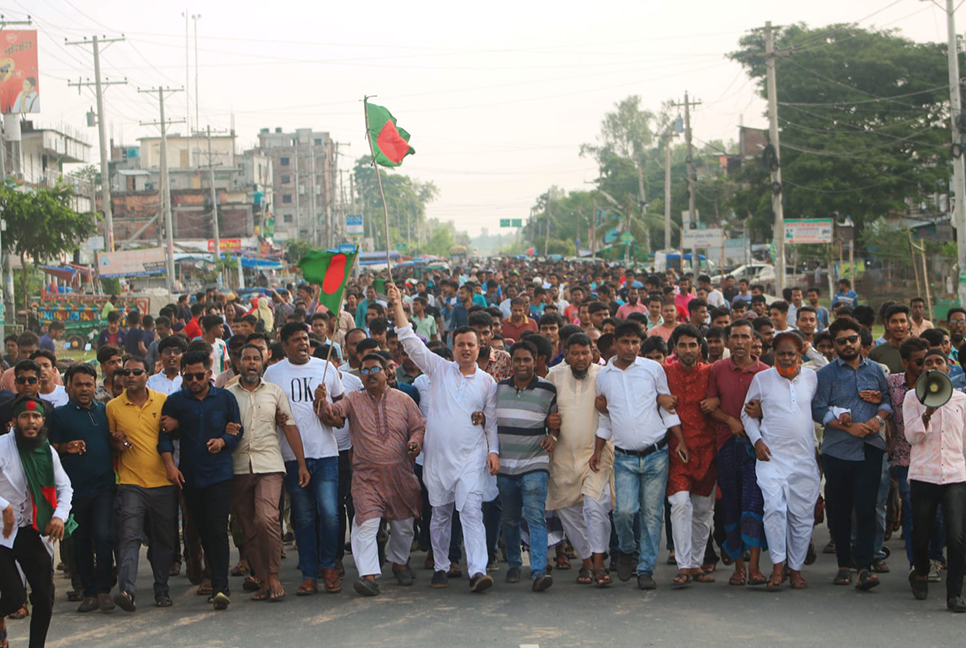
(371, 370)
(195, 376)
(27, 380)
(851, 339)
(128, 372)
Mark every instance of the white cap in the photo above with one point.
(537, 281)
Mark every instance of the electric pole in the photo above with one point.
(959, 172)
(775, 163)
(214, 199)
(546, 243)
(667, 193)
(165, 180)
(99, 85)
(692, 181)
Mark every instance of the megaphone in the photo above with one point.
(934, 389)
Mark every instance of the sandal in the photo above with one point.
(562, 563)
(241, 569)
(276, 595)
(260, 595)
(162, 601)
(798, 583)
(757, 579)
(308, 587)
(866, 580)
(843, 577)
(251, 584)
(602, 577)
(776, 581)
(22, 613)
(703, 577)
(738, 579)
(682, 580)
(205, 588)
(585, 576)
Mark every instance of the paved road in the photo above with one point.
(512, 615)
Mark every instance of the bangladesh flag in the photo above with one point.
(331, 271)
(389, 144)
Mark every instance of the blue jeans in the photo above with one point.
(639, 486)
(525, 496)
(315, 513)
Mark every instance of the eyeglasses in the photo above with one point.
(128, 372)
(850, 339)
(199, 376)
(366, 372)
(27, 380)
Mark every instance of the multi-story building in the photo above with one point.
(303, 182)
(42, 156)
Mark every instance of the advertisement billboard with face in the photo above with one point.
(19, 92)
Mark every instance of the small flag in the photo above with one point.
(331, 271)
(389, 143)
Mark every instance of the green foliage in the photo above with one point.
(111, 285)
(41, 224)
(406, 199)
(295, 249)
(864, 124)
(888, 243)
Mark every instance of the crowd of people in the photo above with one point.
(572, 411)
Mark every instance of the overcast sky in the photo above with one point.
(498, 96)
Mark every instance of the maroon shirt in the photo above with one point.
(730, 383)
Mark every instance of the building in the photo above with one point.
(43, 154)
(303, 185)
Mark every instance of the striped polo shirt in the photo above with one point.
(521, 420)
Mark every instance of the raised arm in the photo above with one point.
(427, 361)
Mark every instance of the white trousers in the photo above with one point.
(789, 515)
(474, 534)
(365, 549)
(691, 519)
(587, 525)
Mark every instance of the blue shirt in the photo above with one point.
(199, 421)
(47, 343)
(839, 386)
(460, 316)
(821, 314)
(92, 472)
(849, 298)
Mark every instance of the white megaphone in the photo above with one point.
(934, 389)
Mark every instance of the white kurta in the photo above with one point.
(790, 480)
(454, 450)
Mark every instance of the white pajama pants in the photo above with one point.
(365, 550)
(691, 520)
(474, 534)
(587, 525)
(789, 512)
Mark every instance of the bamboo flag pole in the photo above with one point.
(385, 208)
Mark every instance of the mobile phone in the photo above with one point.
(681, 456)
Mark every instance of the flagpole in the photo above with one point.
(328, 355)
(385, 208)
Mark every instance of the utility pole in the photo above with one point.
(165, 180)
(959, 172)
(776, 170)
(187, 73)
(646, 238)
(667, 193)
(546, 243)
(214, 202)
(99, 85)
(692, 181)
(298, 202)
(313, 205)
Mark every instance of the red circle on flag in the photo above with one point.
(334, 275)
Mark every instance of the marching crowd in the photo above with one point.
(571, 410)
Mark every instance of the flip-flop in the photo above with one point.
(602, 578)
(304, 590)
(703, 577)
(260, 595)
(738, 579)
(677, 583)
(757, 580)
(274, 596)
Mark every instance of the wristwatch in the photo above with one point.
(881, 421)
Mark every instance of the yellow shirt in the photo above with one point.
(141, 464)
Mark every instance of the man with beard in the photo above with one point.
(956, 319)
(259, 469)
(495, 362)
(581, 496)
(852, 403)
(784, 443)
(691, 480)
(462, 446)
(632, 305)
(387, 431)
(33, 515)
(741, 501)
(315, 507)
(208, 423)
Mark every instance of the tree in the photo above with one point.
(41, 224)
(864, 123)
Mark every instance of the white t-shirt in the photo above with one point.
(219, 354)
(350, 383)
(299, 383)
(57, 397)
(159, 382)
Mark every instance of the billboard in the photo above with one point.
(131, 263)
(19, 92)
(226, 244)
(808, 230)
(354, 225)
(701, 238)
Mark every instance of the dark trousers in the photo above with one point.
(422, 537)
(853, 485)
(208, 508)
(94, 536)
(925, 498)
(139, 509)
(346, 510)
(31, 554)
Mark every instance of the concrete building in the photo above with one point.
(43, 154)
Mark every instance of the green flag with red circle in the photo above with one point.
(390, 144)
(330, 271)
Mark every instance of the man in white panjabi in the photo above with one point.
(581, 497)
(784, 442)
(461, 445)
